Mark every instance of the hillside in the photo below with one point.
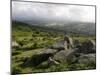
(33, 45)
(75, 27)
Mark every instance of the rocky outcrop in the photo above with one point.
(81, 53)
(64, 55)
(87, 47)
(87, 58)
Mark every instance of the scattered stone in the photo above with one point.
(81, 53)
(51, 61)
(15, 44)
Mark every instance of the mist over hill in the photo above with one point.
(78, 27)
(86, 28)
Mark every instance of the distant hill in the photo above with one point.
(16, 25)
(74, 27)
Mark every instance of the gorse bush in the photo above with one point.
(16, 70)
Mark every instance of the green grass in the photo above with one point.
(32, 41)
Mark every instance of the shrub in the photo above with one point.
(16, 70)
(16, 52)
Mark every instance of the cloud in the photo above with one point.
(44, 12)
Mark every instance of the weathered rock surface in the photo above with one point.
(64, 55)
(51, 61)
(87, 58)
(48, 51)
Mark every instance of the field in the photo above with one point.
(28, 40)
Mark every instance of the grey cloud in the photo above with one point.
(42, 12)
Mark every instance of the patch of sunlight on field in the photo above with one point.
(82, 39)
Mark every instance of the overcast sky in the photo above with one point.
(43, 12)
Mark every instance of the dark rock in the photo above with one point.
(40, 57)
(37, 59)
(88, 47)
